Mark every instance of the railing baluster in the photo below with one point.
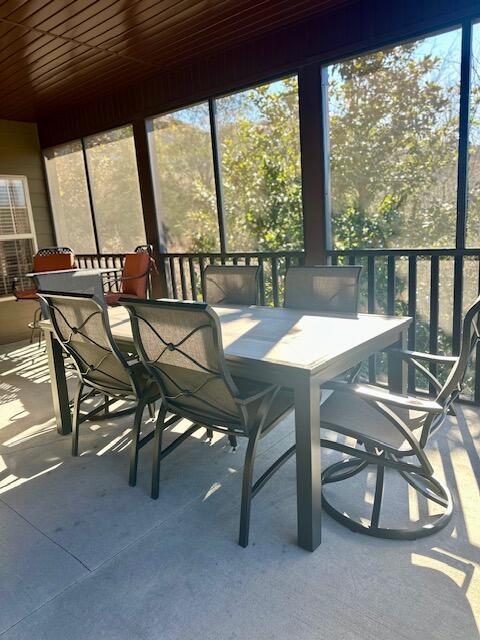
(262, 281)
(248, 261)
(391, 285)
(457, 303)
(201, 262)
(183, 281)
(412, 311)
(275, 281)
(173, 278)
(434, 300)
(372, 361)
(193, 285)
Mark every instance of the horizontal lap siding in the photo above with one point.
(20, 155)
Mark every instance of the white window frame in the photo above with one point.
(21, 236)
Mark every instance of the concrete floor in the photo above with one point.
(83, 555)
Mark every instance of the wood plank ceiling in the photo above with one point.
(58, 53)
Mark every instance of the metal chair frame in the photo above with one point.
(419, 475)
(129, 390)
(253, 426)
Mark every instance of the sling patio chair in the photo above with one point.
(232, 284)
(180, 343)
(325, 289)
(135, 278)
(80, 323)
(392, 431)
(46, 259)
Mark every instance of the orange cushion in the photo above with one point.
(53, 262)
(26, 294)
(136, 264)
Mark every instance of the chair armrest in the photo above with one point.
(369, 392)
(419, 355)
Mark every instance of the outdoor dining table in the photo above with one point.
(297, 349)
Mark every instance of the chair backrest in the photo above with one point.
(232, 284)
(74, 281)
(80, 323)
(324, 289)
(470, 338)
(180, 343)
(136, 271)
(53, 259)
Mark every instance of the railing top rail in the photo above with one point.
(234, 254)
(405, 252)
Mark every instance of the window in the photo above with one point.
(112, 170)
(17, 234)
(259, 142)
(67, 183)
(473, 219)
(182, 168)
(393, 129)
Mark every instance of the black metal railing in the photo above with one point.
(184, 272)
(434, 286)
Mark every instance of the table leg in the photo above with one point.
(309, 490)
(397, 368)
(58, 381)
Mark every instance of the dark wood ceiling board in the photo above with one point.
(100, 64)
(185, 30)
(72, 57)
(44, 54)
(23, 45)
(121, 22)
(31, 13)
(222, 30)
(49, 98)
(104, 19)
(208, 41)
(10, 7)
(70, 14)
(177, 13)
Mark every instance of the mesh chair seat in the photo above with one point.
(283, 402)
(352, 416)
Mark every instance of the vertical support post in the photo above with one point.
(313, 111)
(217, 172)
(90, 196)
(462, 180)
(159, 280)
